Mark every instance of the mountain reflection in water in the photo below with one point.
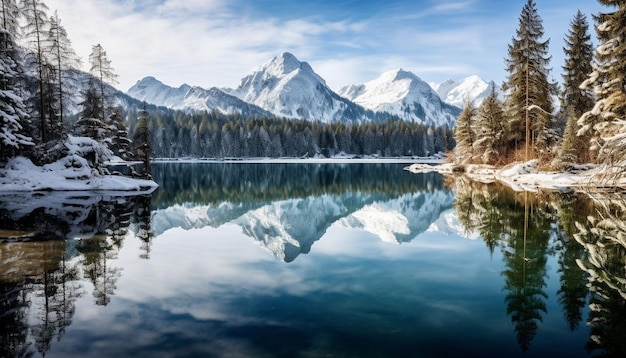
(557, 286)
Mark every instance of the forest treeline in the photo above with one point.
(175, 134)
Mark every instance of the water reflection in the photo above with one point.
(586, 233)
(288, 207)
(194, 286)
(604, 240)
(50, 243)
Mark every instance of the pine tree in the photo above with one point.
(8, 16)
(120, 143)
(89, 123)
(141, 140)
(13, 114)
(527, 89)
(94, 119)
(606, 122)
(65, 62)
(574, 100)
(102, 70)
(490, 130)
(464, 134)
(34, 33)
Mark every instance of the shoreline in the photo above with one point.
(526, 176)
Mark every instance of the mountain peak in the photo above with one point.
(290, 88)
(283, 64)
(399, 75)
(147, 81)
(404, 94)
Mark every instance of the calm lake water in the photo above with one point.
(311, 260)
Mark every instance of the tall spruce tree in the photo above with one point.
(575, 100)
(464, 134)
(65, 62)
(120, 143)
(606, 122)
(527, 88)
(34, 31)
(102, 70)
(8, 16)
(490, 129)
(141, 140)
(14, 136)
(93, 121)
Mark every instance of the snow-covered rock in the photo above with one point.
(404, 94)
(70, 173)
(290, 88)
(456, 92)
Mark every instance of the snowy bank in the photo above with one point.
(524, 176)
(67, 174)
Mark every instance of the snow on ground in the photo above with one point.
(521, 176)
(67, 174)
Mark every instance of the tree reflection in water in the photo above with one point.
(587, 233)
(603, 236)
(41, 270)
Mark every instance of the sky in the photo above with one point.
(218, 42)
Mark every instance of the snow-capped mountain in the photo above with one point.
(403, 94)
(290, 88)
(456, 92)
(153, 91)
(287, 87)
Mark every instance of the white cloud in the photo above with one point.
(217, 42)
(453, 6)
(201, 43)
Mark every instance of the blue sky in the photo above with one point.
(218, 42)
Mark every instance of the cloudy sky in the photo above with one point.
(217, 42)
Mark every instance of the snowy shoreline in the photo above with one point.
(525, 176)
(312, 160)
(21, 175)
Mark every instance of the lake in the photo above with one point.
(311, 260)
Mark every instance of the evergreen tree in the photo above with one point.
(464, 134)
(575, 100)
(490, 130)
(528, 91)
(141, 139)
(93, 121)
(65, 62)
(89, 123)
(120, 142)
(101, 69)
(8, 16)
(34, 33)
(606, 122)
(13, 114)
